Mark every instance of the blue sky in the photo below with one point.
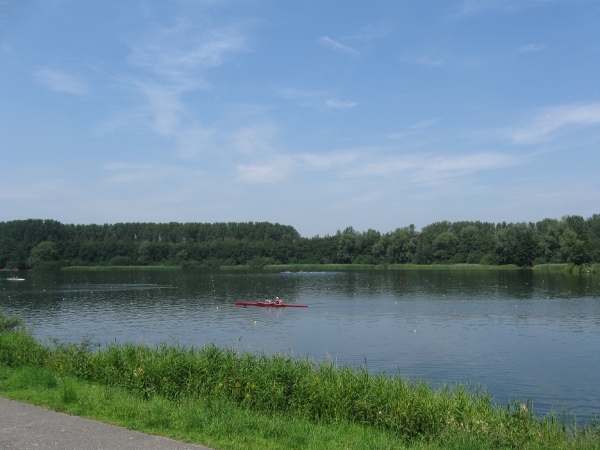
(316, 114)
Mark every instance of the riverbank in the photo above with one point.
(229, 399)
(570, 268)
(121, 268)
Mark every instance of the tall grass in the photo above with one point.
(295, 387)
(562, 267)
(121, 268)
(322, 267)
(240, 267)
(461, 266)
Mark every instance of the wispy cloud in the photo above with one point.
(427, 61)
(553, 120)
(61, 81)
(122, 172)
(300, 94)
(267, 169)
(255, 139)
(443, 167)
(469, 8)
(530, 48)
(339, 104)
(368, 33)
(195, 141)
(323, 162)
(172, 61)
(430, 169)
(318, 99)
(335, 45)
(256, 173)
(164, 105)
(424, 124)
(181, 52)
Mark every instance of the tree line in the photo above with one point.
(49, 244)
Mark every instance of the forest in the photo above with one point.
(49, 244)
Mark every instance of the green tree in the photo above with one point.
(43, 254)
(445, 246)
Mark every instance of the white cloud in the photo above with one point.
(328, 42)
(61, 81)
(324, 162)
(530, 48)
(368, 33)
(546, 125)
(424, 124)
(195, 141)
(259, 173)
(273, 168)
(173, 61)
(470, 8)
(121, 172)
(304, 96)
(428, 168)
(339, 104)
(256, 139)
(164, 105)
(179, 53)
(442, 166)
(426, 61)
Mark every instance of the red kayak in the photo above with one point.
(270, 305)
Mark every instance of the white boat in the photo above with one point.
(15, 278)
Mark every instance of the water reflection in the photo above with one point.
(523, 334)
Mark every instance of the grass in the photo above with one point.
(121, 268)
(240, 267)
(323, 267)
(230, 399)
(562, 267)
(570, 268)
(463, 266)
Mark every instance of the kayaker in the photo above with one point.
(278, 301)
(268, 301)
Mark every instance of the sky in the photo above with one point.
(316, 114)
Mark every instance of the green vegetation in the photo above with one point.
(47, 244)
(321, 267)
(121, 268)
(233, 399)
(240, 267)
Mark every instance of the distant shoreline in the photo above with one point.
(593, 268)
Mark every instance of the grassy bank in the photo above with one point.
(121, 268)
(334, 267)
(211, 395)
(590, 268)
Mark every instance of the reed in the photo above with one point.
(561, 267)
(345, 267)
(296, 388)
(462, 266)
(121, 268)
(321, 267)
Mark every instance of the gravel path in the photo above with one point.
(26, 427)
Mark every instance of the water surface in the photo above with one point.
(522, 334)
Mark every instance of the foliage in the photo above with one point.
(10, 323)
(47, 244)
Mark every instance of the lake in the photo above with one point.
(521, 334)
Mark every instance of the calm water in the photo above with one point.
(523, 335)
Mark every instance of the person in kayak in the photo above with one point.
(278, 301)
(268, 301)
